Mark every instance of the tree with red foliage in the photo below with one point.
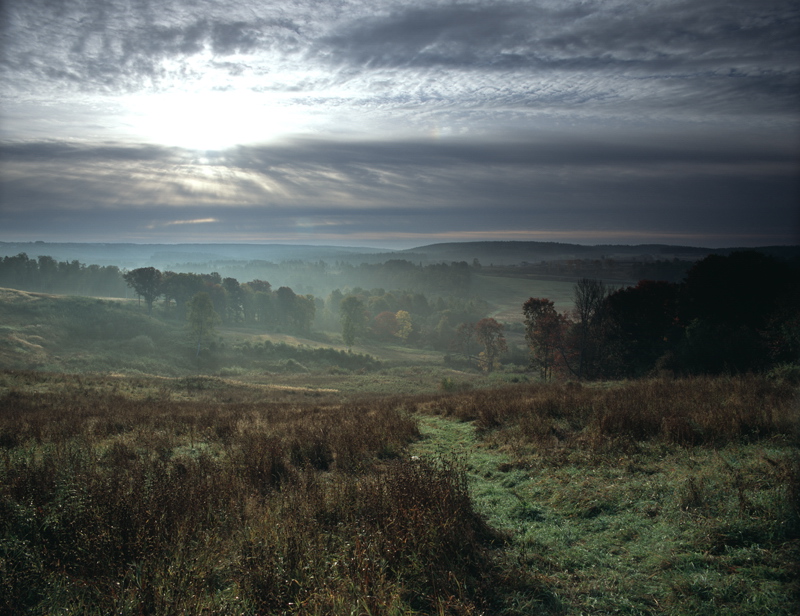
(544, 330)
(384, 325)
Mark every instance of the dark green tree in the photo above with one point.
(202, 317)
(353, 317)
(590, 297)
(146, 282)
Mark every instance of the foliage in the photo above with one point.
(731, 315)
(354, 319)
(146, 281)
(544, 332)
(46, 275)
(405, 326)
(202, 317)
(489, 333)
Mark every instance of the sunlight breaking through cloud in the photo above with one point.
(674, 118)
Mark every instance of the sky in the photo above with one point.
(400, 123)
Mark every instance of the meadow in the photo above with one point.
(276, 474)
(134, 495)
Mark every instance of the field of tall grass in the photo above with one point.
(173, 501)
(200, 495)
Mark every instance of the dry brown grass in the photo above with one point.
(226, 504)
(695, 411)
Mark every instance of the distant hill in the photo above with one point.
(515, 252)
(167, 256)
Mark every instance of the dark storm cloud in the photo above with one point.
(381, 188)
(535, 150)
(72, 153)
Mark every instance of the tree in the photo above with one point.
(285, 305)
(645, 324)
(146, 281)
(181, 287)
(736, 308)
(590, 296)
(202, 317)
(544, 333)
(464, 338)
(404, 325)
(305, 309)
(354, 318)
(235, 300)
(490, 334)
(384, 325)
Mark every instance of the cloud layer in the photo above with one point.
(308, 119)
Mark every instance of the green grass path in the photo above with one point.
(494, 484)
(624, 536)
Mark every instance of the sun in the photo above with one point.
(210, 120)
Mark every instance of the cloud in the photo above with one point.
(354, 188)
(451, 117)
(196, 221)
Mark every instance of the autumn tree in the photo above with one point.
(489, 334)
(384, 325)
(405, 325)
(544, 333)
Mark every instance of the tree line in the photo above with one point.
(253, 302)
(375, 315)
(46, 275)
(730, 314)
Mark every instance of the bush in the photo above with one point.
(141, 344)
(785, 374)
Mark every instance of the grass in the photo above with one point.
(631, 517)
(82, 335)
(133, 496)
(508, 294)
(211, 495)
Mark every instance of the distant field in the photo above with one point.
(507, 295)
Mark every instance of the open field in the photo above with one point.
(274, 473)
(508, 294)
(85, 335)
(204, 494)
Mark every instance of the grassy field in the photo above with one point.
(678, 497)
(286, 475)
(198, 495)
(507, 295)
